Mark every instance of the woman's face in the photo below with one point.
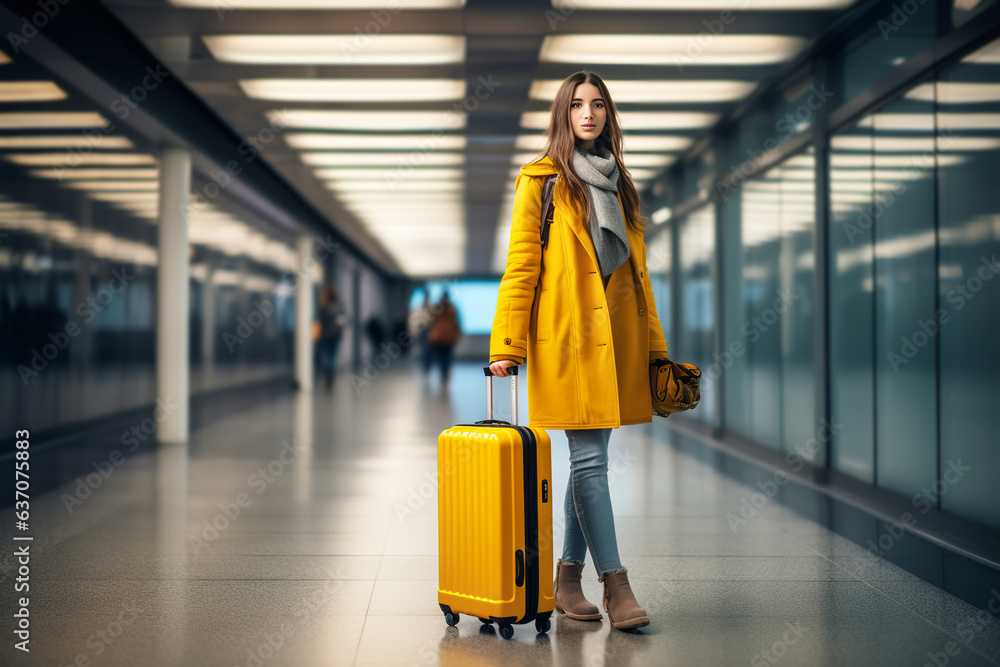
(587, 114)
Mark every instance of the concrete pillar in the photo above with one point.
(356, 319)
(243, 301)
(171, 48)
(304, 312)
(169, 528)
(208, 315)
(81, 349)
(304, 472)
(173, 295)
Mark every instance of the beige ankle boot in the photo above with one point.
(623, 610)
(569, 594)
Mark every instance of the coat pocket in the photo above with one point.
(544, 317)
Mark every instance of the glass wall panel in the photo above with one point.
(76, 277)
(851, 290)
(968, 126)
(697, 325)
(78, 258)
(914, 247)
(913, 313)
(732, 368)
(901, 30)
(769, 387)
(904, 293)
(794, 304)
(697, 176)
(761, 280)
(754, 141)
(658, 263)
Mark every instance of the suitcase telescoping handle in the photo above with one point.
(512, 371)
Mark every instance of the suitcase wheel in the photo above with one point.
(451, 619)
(543, 625)
(507, 631)
(485, 620)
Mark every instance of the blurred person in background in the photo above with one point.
(376, 333)
(442, 335)
(332, 320)
(420, 320)
(399, 328)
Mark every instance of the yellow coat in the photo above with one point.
(587, 350)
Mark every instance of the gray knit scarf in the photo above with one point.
(607, 224)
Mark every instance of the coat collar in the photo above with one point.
(545, 167)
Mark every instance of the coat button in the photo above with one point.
(506, 341)
(641, 312)
(640, 274)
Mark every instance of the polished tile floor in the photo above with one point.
(331, 559)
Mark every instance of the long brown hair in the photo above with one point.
(561, 143)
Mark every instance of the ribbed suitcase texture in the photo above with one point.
(495, 524)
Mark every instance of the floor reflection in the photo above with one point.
(715, 597)
(485, 648)
(171, 469)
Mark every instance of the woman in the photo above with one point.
(443, 334)
(582, 311)
(332, 319)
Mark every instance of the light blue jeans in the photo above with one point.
(589, 521)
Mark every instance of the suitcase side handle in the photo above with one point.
(512, 371)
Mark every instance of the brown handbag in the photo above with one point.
(674, 387)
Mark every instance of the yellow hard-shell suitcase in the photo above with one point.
(495, 521)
